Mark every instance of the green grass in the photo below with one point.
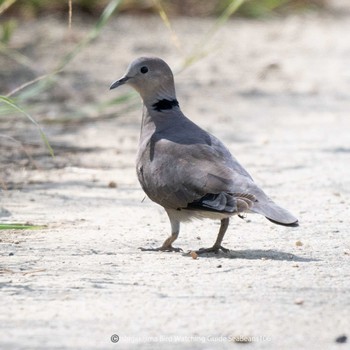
(19, 226)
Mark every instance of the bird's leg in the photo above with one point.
(217, 245)
(167, 245)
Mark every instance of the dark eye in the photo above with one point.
(144, 70)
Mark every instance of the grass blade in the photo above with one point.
(199, 51)
(19, 226)
(45, 81)
(5, 5)
(14, 106)
(167, 23)
(31, 82)
(93, 34)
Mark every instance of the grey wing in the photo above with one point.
(198, 176)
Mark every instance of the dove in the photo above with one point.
(185, 169)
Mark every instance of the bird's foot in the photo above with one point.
(167, 248)
(213, 249)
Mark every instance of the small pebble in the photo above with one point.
(219, 266)
(298, 301)
(194, 255)
(341, 339)
(298, 243)
(11, 254)
(112, 184)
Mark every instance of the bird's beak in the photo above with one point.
(119, 82)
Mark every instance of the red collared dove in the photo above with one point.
(185, 169)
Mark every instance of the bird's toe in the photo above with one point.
(214, 249)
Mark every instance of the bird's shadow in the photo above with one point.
(258, 254)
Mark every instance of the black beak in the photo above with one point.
(119, 82)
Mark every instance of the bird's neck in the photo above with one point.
(160, 104)
(157, 114)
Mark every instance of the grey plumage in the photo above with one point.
(185, 169)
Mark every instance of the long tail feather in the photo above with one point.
(274, 213)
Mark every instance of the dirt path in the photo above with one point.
(276, 93)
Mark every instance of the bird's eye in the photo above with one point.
(144, 70)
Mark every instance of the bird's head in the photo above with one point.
(151, 77)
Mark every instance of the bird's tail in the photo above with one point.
(274, 213)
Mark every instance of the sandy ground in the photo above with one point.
(277, 93)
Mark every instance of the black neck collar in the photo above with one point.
(165, 104)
